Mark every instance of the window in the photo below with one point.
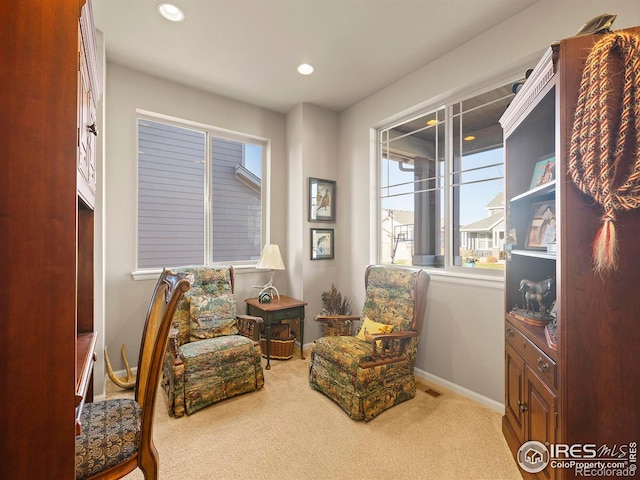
(199, 195)
(441, 185)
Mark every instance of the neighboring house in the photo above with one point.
(486, 237)
(397, 243)
(237, 204)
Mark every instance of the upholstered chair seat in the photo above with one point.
(111, 435)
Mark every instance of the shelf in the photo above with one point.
(540, 191)
(86, 346)
(535, 254)
(86, 352)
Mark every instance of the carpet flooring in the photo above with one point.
(289, 431)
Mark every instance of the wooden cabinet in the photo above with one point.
(88, 93)
(572, 373)
(47, 242)
(530, 394)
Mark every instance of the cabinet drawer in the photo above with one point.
(537, 360)
(289, 313)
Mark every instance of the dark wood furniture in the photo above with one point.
(581, 386)
(278, 310)
(47, 329)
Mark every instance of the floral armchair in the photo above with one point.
(373, 371)
(213, 353)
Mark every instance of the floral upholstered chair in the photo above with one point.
(373, 371)
(213, 353)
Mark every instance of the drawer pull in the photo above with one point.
(523, 408)
(509, 332)
(542, 367)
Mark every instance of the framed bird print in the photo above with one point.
(322, 200)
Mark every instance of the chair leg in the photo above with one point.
(149, 462)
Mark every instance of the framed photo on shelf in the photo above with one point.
(542, 226)
(321, 243)
(544, 171)
(322, 200)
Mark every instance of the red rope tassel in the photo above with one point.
(605, 248)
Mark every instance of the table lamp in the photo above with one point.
(272, 260)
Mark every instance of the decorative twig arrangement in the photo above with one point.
(334, 304)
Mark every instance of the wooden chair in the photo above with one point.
(373, 371)
(117, 435)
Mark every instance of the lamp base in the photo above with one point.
(268, 287)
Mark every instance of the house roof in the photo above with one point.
(485, 224)
(497, 201)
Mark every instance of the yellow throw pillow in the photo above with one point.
(369, 327)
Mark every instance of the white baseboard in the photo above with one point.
(492, 404)
(486, 401)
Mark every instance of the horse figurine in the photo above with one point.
(534, 293)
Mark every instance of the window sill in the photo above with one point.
(461, 278)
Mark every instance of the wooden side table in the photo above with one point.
(284, 308)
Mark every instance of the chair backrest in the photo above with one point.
(209, 308)
(168, 292)
(209, 280)
(396, 296)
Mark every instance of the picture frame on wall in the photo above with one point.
(544, 171)
(542, 226)
(322, 243)
(322, 200)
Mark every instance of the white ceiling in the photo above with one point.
(250, 49)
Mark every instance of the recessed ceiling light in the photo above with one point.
(468, 138)
(305, 69)
(171, 12)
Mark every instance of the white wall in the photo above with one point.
(462, 340)
(312, 138)
(128, 90)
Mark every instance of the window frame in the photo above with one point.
(448, 268)
(210, 132)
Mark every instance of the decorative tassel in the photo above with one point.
(605, 248)
(601, 145)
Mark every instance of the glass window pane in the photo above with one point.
(236, 204)
(416, 227)
(477, 179)
(397, 230)
(197, 205)
(171, 165)
(412, 182)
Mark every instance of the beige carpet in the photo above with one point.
(290, 431)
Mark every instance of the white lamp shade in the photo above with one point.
(270, 258)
